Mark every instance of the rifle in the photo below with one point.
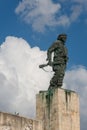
(43, 65)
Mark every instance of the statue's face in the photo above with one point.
(63, 38)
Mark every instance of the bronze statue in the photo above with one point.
(59, 62)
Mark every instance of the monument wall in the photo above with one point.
(14, 122)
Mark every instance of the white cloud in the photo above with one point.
(38, 13)
(76, 79)
(76, 11)
(41, 14)
(20, 76)
(21, 79)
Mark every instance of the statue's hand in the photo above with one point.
(47, 59)
(50, 63)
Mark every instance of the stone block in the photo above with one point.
(58, 109)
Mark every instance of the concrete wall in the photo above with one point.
(13, 122)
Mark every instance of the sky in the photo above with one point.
(27, 29)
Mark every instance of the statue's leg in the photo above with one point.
(60, 79)
(57, 79)
(60, 74)
(53, 81)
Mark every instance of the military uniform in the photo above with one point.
(59, 62)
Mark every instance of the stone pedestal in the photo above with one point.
(58, 109)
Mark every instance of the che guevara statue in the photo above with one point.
(59, 62)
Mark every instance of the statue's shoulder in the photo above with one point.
(58, 43)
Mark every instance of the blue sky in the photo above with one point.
(27, 29)
(12, 23)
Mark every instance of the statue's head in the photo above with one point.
(62, 37)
